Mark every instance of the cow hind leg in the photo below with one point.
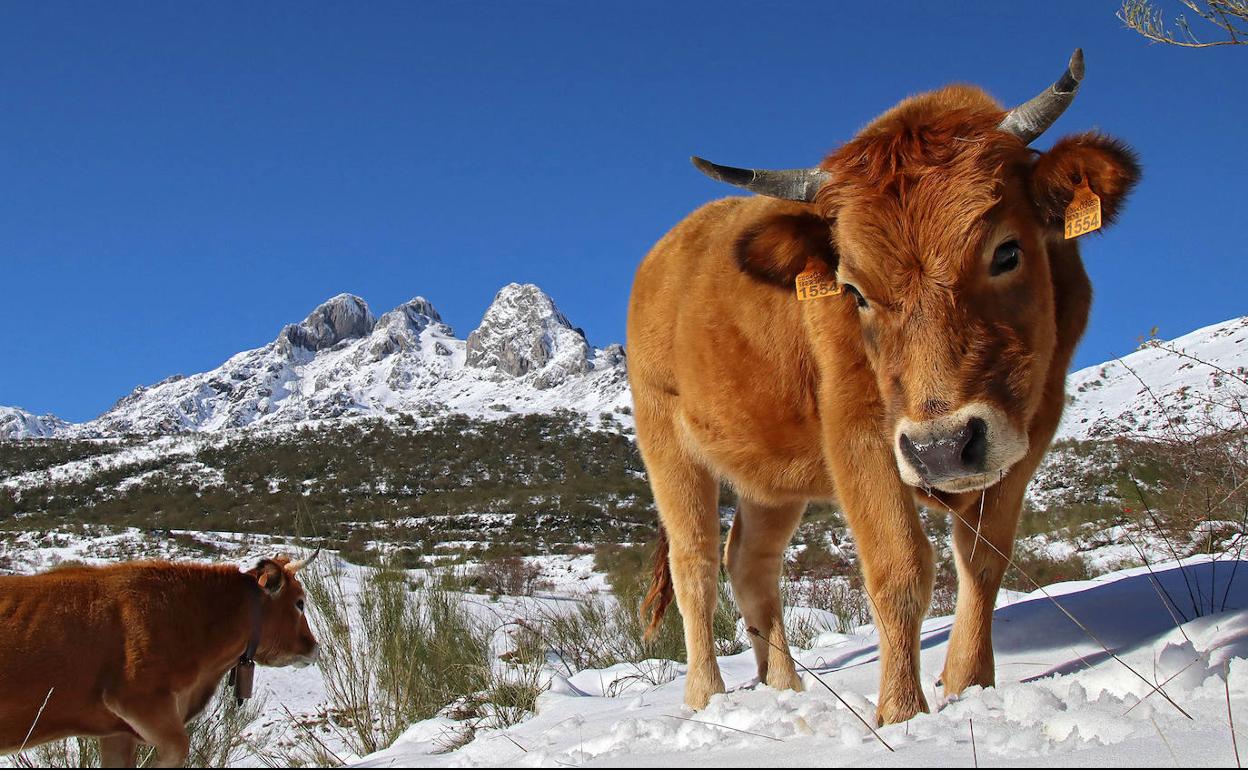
(687, 497)
(754, 557)
(118, 751)
(158, 721)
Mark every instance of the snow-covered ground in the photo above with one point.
(1061, 697)
(1060, 700)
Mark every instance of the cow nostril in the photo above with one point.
(912, 454)
(975, 450)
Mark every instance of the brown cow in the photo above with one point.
(936, 377)
(131, 652)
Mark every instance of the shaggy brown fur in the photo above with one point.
(733, 379)
(131, 652)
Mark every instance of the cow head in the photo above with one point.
(285, 638)
(940, 224)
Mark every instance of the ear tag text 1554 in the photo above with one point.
(1083, 215)
(815, 283)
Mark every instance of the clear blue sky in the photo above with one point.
(181, 179)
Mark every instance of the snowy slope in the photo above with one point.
(342, 362)
(1161, 389)
(18, 423)
(1060, 700)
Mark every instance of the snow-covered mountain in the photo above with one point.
(1174, 389)
(340, 361)
(526, 356)
(18, 423)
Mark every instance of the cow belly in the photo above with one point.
(769, 463)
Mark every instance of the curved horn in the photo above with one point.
(1029, 120)
(295, 566)
(795, 184)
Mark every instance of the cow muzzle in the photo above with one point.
(966, 450)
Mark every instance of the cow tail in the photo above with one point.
(660, 595)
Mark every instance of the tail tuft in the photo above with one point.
(660, 595)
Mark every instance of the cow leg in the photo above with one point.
(687, 497)
(982, 558)
(158, 721)
(754, 557)
(118, 751)
(897, 564)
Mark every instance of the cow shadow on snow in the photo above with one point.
(1122, 614)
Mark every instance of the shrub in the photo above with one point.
(394, 656)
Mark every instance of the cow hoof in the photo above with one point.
(698, 690)
(953, 684)
(786, 680)
(899, 708)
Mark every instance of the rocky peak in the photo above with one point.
(524, 333)
(401, 328)
(343, 317)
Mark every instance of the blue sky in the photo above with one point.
(181, 179)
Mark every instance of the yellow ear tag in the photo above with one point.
(815, 283)
(1083, 215)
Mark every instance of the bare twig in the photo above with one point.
(725, 727)
(1229, 717)
(38, 715)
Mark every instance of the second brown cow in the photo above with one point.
(129, 653)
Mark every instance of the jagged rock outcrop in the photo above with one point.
(523, 334)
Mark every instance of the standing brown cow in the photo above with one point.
(129, 653)
(936, 377)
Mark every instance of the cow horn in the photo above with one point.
(295, 566)
(795, 184)
(1029, 120)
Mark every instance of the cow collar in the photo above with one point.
(243, 675)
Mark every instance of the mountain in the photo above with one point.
(527, 357)
(18, 423)
(1180, 388)
(341, 361)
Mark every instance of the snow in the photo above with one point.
(1061, 699)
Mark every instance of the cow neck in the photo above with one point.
(242, 675)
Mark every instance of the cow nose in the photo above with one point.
(937, 457)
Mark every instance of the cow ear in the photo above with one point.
(774, 250)
(1110, 168)
(271, 576)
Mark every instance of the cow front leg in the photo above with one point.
(754, 557)
(118, 750)
(157, 720)
(983, 541)
(897, 565)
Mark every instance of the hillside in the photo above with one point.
(1166, 388)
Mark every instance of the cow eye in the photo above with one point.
(857, 295)
(299, 604)
(1005, 258)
